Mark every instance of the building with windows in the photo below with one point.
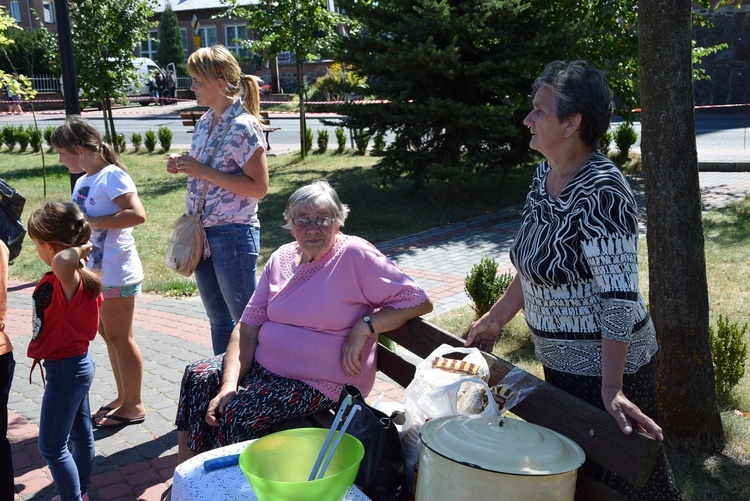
(32, 14)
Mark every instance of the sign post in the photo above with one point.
(196, 32)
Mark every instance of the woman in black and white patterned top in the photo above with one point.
(577, 261)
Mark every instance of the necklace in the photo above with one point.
(564, 183)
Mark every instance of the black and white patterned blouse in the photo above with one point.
(578, 264)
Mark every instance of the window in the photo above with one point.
(15, 11)
(184, 38)
(233, 35)
(49, 12)
(208, 36)
(149, 45)
(285, 57)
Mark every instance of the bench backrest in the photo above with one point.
(631, 456)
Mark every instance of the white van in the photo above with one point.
(138, 92)
(144, 68)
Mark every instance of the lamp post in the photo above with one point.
(67, 62)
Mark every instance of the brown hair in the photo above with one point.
(217, 62)
(78, 132)
(64, 224)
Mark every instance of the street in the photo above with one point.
(714, 130)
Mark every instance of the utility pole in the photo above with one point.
(68, 64)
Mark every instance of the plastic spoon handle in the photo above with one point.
(324, 448)
(222, 462)
(338, 439)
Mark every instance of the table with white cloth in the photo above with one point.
(192, 482)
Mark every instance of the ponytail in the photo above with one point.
(251, 100)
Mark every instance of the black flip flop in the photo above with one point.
(102, 408)
(120, 422)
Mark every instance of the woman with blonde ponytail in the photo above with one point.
(108, 197)
(228, 157)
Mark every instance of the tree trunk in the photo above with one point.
(678, 297)
(301, 93)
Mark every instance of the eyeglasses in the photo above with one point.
(304, 222)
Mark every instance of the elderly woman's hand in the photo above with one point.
(627, 414)
(483, 333)
(351, 353)
(217, 405)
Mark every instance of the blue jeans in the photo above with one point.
(66, 416)
(226, 279)
(7, 364)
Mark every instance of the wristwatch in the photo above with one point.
(368, 321)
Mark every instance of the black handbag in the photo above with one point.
(12, 229)
(381, 473)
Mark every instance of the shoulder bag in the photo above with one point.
(186, 246)
(381, 472)
(12, 229)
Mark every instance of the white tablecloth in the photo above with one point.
(192, 482)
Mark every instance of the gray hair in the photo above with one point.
(579, 87)
(316, 194)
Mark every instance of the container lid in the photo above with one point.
(516, 447)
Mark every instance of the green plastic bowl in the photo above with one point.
(277, 466)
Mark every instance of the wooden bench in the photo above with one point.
(189, 119)
(631, 457)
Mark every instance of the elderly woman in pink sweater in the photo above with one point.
(310, 327)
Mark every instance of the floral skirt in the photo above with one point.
(640, 389)
(263, 399)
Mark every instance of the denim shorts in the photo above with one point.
(115, 291)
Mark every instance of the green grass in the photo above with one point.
(719, 476)
(378, 213)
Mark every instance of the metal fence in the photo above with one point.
(49, 83)
(46, 83)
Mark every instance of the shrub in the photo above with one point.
(605, 142)
(9, 136)
(322, 140)
(121, 144)
(340, 139)
(35, 138)
(361, 140)
(308, 140)
(484, 286)
(378, 144)
(136, 139)
(625, 137)
(165, 138)
(22, 136)
(48, 135)
(729, 352)
(149, 141)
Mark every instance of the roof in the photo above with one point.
(196, 5)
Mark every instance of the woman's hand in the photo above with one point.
(172, 163)
(185, 164)
(217, 405)
(627, 414)
(351, 353)
(483, 333)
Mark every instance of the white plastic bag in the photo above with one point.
(436, 393)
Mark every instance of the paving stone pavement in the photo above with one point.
(136, 462)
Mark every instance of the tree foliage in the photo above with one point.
(30, 52)
(456, 75)
(305, 27)
(21, 85)
(170, 48)
(105, 36)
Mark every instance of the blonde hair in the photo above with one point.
(63, 224)
(217, 62)
(78, 132)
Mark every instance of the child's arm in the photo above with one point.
(131, 214)
(65, 267)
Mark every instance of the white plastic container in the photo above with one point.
(474, 457)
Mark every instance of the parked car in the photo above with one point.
(139, 91)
